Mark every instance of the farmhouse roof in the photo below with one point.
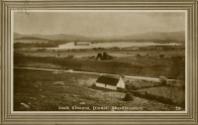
(107, 80)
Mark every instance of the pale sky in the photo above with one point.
(98, 24)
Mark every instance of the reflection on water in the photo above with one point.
(86, 45)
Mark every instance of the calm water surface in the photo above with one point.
(71, 45)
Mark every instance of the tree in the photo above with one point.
(99, 56)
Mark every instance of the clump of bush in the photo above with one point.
(161, 56)
(138, 55)
(70, 56)
(163, 80)
(93, 85)
(131, 87)
(103, 56)
(128, 97)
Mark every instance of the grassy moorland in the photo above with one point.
(175, 95)
(49, 91)
(150, 63)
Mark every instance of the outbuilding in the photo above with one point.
(110, 82)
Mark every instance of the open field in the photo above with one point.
(176, 94)
(49, 91)
(140, 63)
(56, 90)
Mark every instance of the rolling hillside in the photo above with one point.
(156, 37)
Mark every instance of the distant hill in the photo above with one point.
(155, 36)
(60, 37)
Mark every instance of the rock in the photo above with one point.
(70, 70)
(82, 103)
(42, 96)
(25, 105)
(33, 98)
(61, 83)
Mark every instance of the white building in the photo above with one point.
(110, 82)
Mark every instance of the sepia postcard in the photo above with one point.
(98, 62)
(102, 60)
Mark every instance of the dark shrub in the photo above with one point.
(93, 85)
(161, 55)
(163, 80)
(128, 97)
(138, 55)
(70, 56)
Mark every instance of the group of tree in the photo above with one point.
(103, 56)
